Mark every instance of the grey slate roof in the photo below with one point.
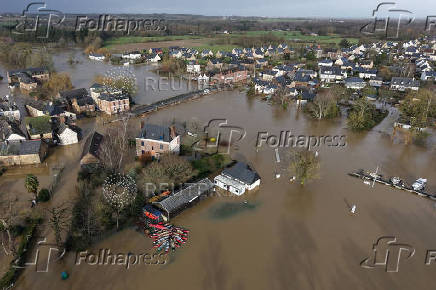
(155, 132)
(25, 147)
(242, 172)
(184, 197)
(76, 93)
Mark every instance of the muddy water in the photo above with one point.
(294, 237)
(149, 87)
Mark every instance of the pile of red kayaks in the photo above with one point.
(167, 236)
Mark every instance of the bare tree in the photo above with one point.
(115, 145)
(6, 222)
(305, 165)
(323, 103)
(170, 170)
(119, 191)
(58, 221)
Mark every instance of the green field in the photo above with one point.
(140, 39)
(296, 35)
(286, 35)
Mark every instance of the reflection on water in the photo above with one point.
(230, 209)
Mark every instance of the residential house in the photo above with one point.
(78, 100)
(354, 83)
(269, 75)
(176, 53)
(376, 82)
(29, 78)
(155, 140)
(154, 58)
(367, 73)
(91, 150)
(238, 178)
(367, 64)
(325, 62)
(206, 53)
(10, 131)
(229, 76)
(66, 135)
(155, 51)
(109, 101)
(23, 152)
(401, 84)
(37, 109)
(331, 74)
(10, 111)
(193, 67)
(134, 55)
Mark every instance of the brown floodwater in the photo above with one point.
(291, 237)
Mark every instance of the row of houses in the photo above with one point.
(27, 79)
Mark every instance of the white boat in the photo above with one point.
(396, 181)
(419, 184)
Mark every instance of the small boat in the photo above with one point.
(419, 184)
(396, 181)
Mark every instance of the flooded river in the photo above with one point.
(289, 236)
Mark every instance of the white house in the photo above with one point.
(401, 84)
(238, 178)
(154, 58)
(95, 56)
(66, 135)
(132, 55)
(193, 67)
(355, 83)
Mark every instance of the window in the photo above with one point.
(161, 147)
(143, 152)
(152, 148)
(142, 143)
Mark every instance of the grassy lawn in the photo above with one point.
(139, 39)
